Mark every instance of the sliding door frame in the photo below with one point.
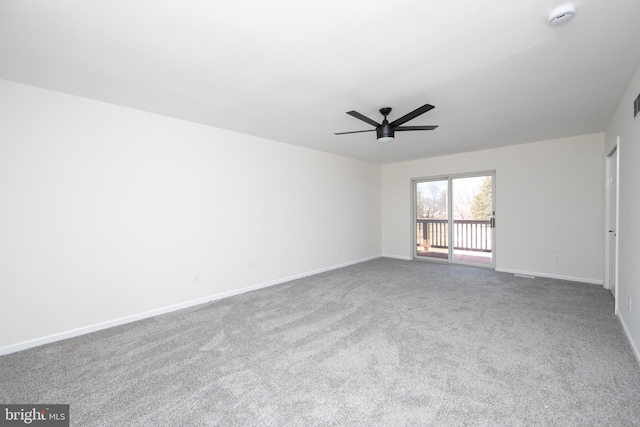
(450, 219)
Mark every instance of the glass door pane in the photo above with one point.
(473, 212)
(432, 219)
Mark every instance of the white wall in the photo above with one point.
(624, 125)
(108, 212)
(549, 201)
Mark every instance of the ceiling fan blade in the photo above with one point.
(412, 115)
(363, 118)
(355, 131)
(401, 128)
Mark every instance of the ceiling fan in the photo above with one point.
(386, 130)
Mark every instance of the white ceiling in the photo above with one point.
(288, 70)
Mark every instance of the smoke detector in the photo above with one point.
(561, 15)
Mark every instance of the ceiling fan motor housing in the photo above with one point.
(385, 131)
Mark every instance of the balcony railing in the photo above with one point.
(468, 234)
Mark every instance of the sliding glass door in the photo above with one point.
(455, 218)
(432, 219)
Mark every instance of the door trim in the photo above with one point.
(609, 199)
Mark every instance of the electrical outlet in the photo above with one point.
(196, 278)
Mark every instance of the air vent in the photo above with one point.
(636, 106)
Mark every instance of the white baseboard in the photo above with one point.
(12, 348)
(632, 343)
(404, 258)
(551, 276)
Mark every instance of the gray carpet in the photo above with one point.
(385, 342)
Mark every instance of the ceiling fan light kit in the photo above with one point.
(385, 131)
